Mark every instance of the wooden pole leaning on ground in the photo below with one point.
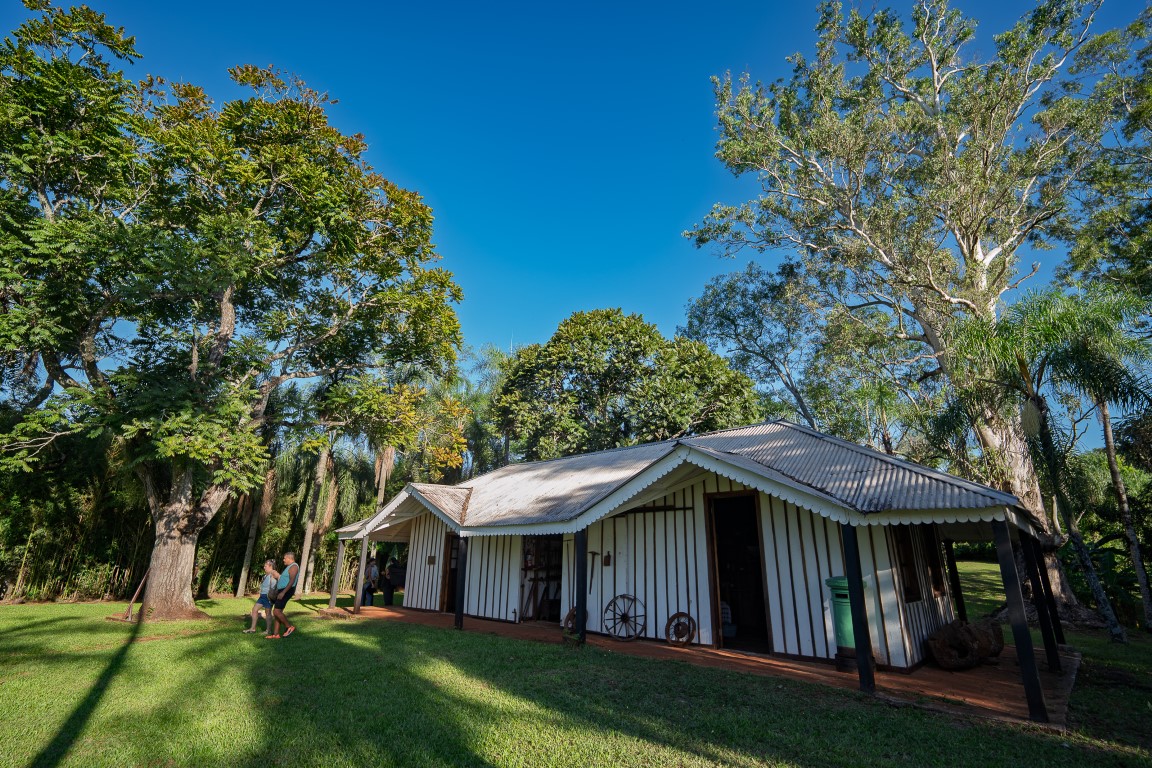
(136, 595)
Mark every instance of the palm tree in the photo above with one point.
(1081, 341)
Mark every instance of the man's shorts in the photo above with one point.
(263, 601)
(283, 600)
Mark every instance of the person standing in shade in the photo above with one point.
(264, 602)
(389, 586)
(285, 588)
(370, 579)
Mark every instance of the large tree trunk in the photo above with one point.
(310, 522)
(256, 524)
(178, 523)
(1126, 515)
(323, 526)
(1006, 443)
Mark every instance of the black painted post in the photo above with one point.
(580, 542)
(860, 635)
(1025, 653)
(954, 579)
(461, 580)
(1040, 600)
(1053, 609)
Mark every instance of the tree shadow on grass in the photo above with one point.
(56, 749)
(359, 692)
(364, 692)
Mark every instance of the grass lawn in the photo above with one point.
(78, 690)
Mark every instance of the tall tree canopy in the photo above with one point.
(606, 379)
(167, 263)
(902, 175)
(1114, 239)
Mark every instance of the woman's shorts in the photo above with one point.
(264, 602)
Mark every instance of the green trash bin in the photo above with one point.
(841, 613)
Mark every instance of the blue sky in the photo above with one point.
(563, 147)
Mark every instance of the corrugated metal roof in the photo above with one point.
(857, 477)
(452, 500)
(835, 470)
(556, 490)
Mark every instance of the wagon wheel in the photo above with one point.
(624, 618)
(569, 624)
(680, 629)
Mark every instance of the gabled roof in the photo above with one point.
(452, 500)
(830, 476)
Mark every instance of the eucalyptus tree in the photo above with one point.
(766, 327)
(605, 379)
(1113, 241)
(902, 174)
(170, 262)
(1082, 341)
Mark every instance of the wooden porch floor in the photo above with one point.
(993, 690)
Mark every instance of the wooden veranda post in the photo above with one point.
(461, 580)
(359, 598)
(336, 573)
(860, 634)
(1025, 653)
(580, 543)
(1053, 611)
(1040, 600)
(954, 580)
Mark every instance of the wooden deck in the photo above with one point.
(993, 690)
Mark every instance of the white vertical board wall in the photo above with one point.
(492, 589)
(925, 616)
(659, 555)
(423, 580)
(802, 550)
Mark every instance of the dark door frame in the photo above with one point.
(446, 572)
(714, 565)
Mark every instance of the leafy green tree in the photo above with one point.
(169, 263)
(765, 325)
(606, 379)
(902, 175)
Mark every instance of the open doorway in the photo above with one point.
(738, 569)
(448, 579)
(540, 580)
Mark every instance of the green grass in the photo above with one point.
(78, 690)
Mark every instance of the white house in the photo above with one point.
(725, 539)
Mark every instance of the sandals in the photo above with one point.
(290, 630)
(271, 637)
(249, 631)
